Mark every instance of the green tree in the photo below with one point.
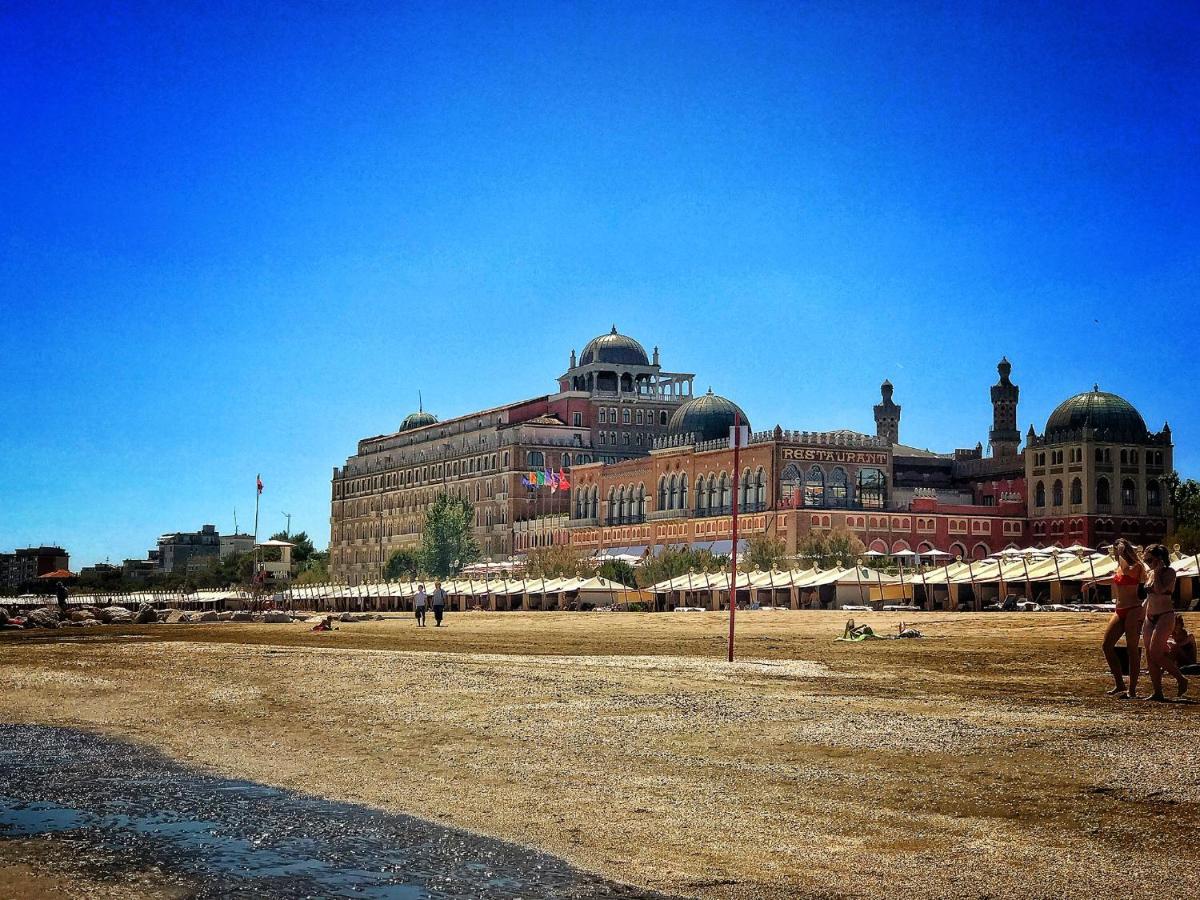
(315, 569)
(447, 543)
(764, 553)
(619, 571)
(558, 561)
(828, 548)
(303, 549)
(1184, 497)
(673, 561)
(1188, 539)
(403, 565)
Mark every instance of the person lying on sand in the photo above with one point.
(857, 633)
(326, 625)
(1181, 648)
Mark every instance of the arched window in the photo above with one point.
(662, 418)
(566, 460)
(683, 498)
(622, 512)
(744, 490)
(760, 489)
(791, 486)
(814, 487)
(536, 459)
(1058, 492)
(641, 503)
(1076, 491)
(872, 488)
(1128, 493)
(714, 496)
(839, 488)
(595, 511)
(701, 497)
(673, 503)
(1103, 492)
(1039, 494)
(612, 507)
(662, 492)
(726, 493)
(1153, 494)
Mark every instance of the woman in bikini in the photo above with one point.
(1160, 619)
(1127, 620)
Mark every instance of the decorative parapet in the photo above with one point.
(848, 439)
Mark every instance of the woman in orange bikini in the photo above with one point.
(1127, 620)
(1160, 620)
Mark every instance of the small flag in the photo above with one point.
(563, 484)
(259, 479)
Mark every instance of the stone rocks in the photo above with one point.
(46, 617)
(225, 616)
(207, 616)
(174, 616)
(276, 616)
(78, 615)
(243, 615)
(114, 615)
(146, 615)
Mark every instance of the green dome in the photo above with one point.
(615, 348)
(707, 418)
(1113, 418)
(418, 419)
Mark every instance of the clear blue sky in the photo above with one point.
(237, 238)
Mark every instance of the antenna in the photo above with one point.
(420, 402)
(288, 531)
(235, 531)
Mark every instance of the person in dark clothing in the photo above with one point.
(60, 591)
(439, 604)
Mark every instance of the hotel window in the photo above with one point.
(839, 488)
(814, 487)
(612, 415)
(603, 417)
(1076, 492)
(871, 488)
(577, 419)
(626, 417)
(639, 417)
(1153, 494)
(1039, 495)
(1057, 493)
(625, 436)
(662, 418)
(1128, 493)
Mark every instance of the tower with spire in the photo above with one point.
(1004, 437)
(887, 415)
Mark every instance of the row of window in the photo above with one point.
(817, 489)
(1128, 456)
(1103, 493)
(607, 416)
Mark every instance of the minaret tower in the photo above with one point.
(1004, 436)
(887, 415)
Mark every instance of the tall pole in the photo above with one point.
(257, 497)
(737, 469)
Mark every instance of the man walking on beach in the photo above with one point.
(419, 605)
(60, 590)
(439, 604)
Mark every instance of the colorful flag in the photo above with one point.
(563, 484)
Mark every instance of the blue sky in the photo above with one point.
(237, 238)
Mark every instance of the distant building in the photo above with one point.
(25, 565)
(184, 551)
(236, 544)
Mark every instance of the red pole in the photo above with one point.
(737, 478)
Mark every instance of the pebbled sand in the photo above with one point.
(982, 761)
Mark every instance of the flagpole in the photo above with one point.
(257, 497)
(737, 433)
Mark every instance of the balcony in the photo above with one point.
(625, 520)
(592, 521)
(660, 514)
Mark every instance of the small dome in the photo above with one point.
(615, 348)
(418, 419)
(708, 418)
(1114, 417)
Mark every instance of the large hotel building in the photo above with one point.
(649, 465)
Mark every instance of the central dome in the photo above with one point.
(615, 348)
(708, 418)
(1113, 417)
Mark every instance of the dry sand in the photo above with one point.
(982, 761)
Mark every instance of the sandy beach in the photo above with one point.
(982, 760)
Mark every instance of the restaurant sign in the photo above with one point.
(835, 455)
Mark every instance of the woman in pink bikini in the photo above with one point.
(1127, 620)
(1160, 619)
